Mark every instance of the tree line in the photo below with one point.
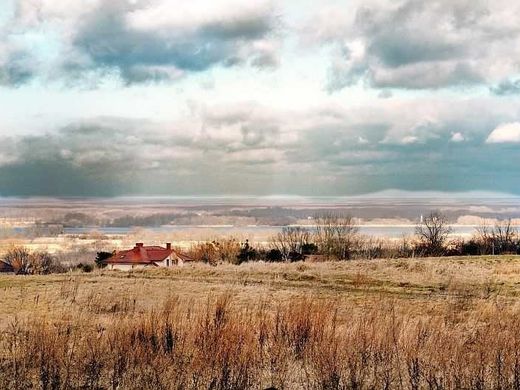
(338, 237)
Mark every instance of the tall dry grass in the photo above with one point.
(302, 343)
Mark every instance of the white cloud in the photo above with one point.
(409, 139)
(418, 44)
(505, 133)
(457, 137)
(141, 40)
(195, 13)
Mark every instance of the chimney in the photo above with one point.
(168, 245)
(139, 244)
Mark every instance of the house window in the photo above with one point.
(167, 262)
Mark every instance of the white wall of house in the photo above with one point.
(170, 261)
(165, 263)
(126, 267)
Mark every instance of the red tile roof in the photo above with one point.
(141, 254)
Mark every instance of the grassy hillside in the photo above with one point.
(424, 323)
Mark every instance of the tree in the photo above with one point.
(19, 258)
(336, 235)
(291, 242)
(433, 233)
(43, 263)
(101, 257)
(504, 236)
(484, 238)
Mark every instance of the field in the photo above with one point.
(415, 323)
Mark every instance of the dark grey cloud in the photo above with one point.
(111, 156)
(141, 55)
(115, 157)
(250, 149)
(101, 159)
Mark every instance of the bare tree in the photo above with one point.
(504, 235)
(291, 242)
(42, 263)
(484, 238)
(433, 233)
(336, 235)
(19, 258)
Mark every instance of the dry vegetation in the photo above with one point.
(383, 324)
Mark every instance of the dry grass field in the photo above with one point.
(436, 323)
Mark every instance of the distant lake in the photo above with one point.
(390, 231)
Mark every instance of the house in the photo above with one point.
(5, 267)
(142, 256)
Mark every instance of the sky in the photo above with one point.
(316, 98)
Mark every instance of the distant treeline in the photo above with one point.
(77, 220)
(84, 220)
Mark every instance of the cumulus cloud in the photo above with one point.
(420, 45)
(231, 127)
(505, 133)
(139, 40)
(112, 37)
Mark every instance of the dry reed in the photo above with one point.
(299, 344)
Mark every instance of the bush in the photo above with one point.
(213, 252)
(309, 248)
(247, 253)
(85, 267)
(274, 255)
(40, 263)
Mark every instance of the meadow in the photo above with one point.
(429, 323)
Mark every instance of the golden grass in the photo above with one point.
(408, 324)
(425, 281)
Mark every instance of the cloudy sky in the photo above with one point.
(167, 97)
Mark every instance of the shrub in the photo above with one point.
(43, 263)
(247, 253)
(19, 258)
(273, 255)
(25, 262)
(85, 267)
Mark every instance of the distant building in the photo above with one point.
(142, 256)
(5, 267)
